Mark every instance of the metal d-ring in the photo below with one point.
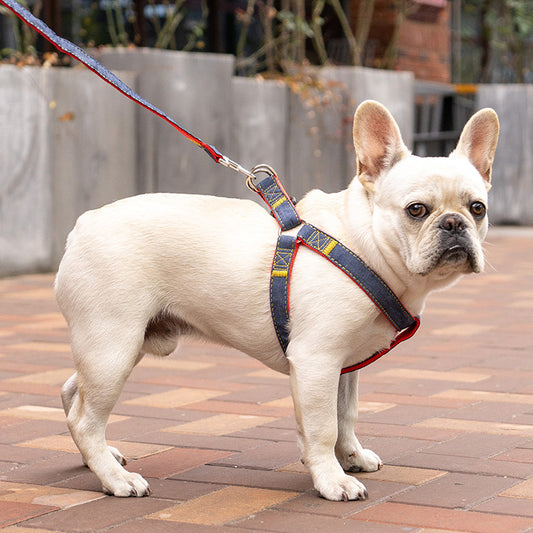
(267, 169)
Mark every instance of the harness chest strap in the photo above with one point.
(342, 257)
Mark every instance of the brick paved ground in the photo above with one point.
(450, 413)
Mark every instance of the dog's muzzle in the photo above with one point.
(456, 248)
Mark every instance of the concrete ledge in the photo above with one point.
(195, 89)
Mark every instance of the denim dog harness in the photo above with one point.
(283, 209)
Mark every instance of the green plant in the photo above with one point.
(497, 41)
(25, 51)
(115, 23)
(287, 29)
(175, 15)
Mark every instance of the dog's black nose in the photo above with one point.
(452, 223)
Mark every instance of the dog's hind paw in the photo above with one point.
(364, 461)
(131, 484)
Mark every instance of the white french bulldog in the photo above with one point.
(142, 271)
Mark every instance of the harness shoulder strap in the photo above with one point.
(273, 193)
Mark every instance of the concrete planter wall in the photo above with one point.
(251, 121)
(71, 143)
(67, 146)
(511, 196)
(25, 177)
(326, 159)
(193, 89)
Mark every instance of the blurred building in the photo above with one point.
(414, 35)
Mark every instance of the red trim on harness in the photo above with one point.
(296, 246)
(402, 336)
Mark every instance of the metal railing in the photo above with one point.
(441, 111)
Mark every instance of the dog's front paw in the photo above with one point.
(363, 461)
(129, 484)
(341, 488)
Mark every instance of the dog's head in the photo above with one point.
(430, 212)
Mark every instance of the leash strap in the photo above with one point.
(76, 52)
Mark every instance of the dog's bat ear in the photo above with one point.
(378, 142)
(478, 142)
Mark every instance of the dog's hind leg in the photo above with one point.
(69, 392)
(90, 397)
(350, 454)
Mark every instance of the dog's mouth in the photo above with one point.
(460, 256)
(457, 254)
(453, 254)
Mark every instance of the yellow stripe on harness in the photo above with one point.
(279, 202)
(327, 250)
(280, 273)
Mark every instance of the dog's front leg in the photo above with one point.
(351, 455)
(314, 391)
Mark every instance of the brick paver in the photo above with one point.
(450, 412)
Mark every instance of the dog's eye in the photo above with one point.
(478, 210)
(417, 210)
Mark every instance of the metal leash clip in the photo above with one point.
(267, 169)
(227, 162)
(250, 174)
